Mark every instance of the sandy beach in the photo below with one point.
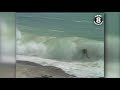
(25, 69)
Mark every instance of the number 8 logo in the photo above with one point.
(98, 20)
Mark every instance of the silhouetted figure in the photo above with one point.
(84, 52)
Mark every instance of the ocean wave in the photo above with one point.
(56, 30)
(59, 48)
(82, 21)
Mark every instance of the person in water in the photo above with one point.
(85, 53)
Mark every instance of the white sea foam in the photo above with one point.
(79, 69)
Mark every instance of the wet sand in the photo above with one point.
(25, 69)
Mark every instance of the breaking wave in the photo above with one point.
(59, 48)
(63, 52)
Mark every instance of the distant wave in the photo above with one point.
(82, 21)
(56, 30)
(44, 17)
(53, 18)
(57, 18)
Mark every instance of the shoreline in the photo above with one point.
(25, 69)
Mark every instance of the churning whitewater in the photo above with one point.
(63, 52)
